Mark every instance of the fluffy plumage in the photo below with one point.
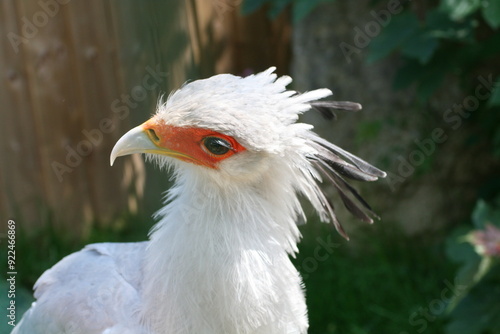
(218, 258)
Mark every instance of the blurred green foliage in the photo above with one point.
(449, 38)
(453, 38)
(300, 8)
(380, 282)
(477, 309)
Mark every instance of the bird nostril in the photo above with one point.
(153, 136)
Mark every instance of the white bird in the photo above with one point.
(218, 259)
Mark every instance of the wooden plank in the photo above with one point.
(230, 42)
(58, 113)
(95, 68)
(23, 187)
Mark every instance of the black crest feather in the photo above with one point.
(336, 165)
(326, 108)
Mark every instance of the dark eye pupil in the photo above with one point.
(217, 146)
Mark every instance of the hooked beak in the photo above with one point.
(144, 139)
(134, 141)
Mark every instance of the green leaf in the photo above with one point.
(250, 6)
(459, 9)
(302, 8)
(420, 47)
(491, 13)
(401, 28)
(277, 7)
(480, 214)
(485, 214)
(478, 312)
(460, 251)
(439, 25)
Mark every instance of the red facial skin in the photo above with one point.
(187, 143)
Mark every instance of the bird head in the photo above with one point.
(237, 130)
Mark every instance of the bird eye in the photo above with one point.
(216, 145)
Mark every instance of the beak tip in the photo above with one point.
(134, 141)
(113, 156)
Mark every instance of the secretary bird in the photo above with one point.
(218, 259)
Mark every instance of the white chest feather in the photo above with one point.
(218, 265)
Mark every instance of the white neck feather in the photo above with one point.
(218, 259)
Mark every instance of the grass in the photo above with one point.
(372, 284)
(383, 284)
